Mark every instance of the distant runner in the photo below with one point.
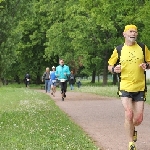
(53, 81)
(62, 72)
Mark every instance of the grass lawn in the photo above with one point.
(30, 120)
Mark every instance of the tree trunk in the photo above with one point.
(38, 79)
(114, 79)
(17, 79)
(105, 71)
(105, 74)
(93, 76)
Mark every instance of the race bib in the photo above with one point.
(71, 77)
(62, 80)
(27, 79)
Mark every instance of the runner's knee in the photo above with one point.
(138, 120)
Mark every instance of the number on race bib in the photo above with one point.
(62, 80)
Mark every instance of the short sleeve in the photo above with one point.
(113, 59)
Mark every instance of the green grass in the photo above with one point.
(110, 91)
(30, 120)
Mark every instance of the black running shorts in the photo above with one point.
(136, 96)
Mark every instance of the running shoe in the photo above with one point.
(64, 95)
(132, 146)
(134, 135)
(62, 98)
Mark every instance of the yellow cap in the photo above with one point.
(128, 27)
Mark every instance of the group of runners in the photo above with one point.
(61, 73)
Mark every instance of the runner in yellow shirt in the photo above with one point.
(131, 67)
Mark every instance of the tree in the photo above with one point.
(36, 33)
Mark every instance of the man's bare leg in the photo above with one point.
(54, 90)
(133, 117)
(129, 126)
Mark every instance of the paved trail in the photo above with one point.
(103, 118)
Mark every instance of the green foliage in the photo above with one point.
(30, 120)
(35, 34)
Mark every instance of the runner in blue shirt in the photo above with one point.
(53, 81)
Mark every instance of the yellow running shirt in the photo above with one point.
(132, 75)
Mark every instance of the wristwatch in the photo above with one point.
(147, 66)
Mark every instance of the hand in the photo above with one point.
(117, 69)
(42, 80)
(65, 74)
(143, 66)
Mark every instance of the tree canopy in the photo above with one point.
(36, 33)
